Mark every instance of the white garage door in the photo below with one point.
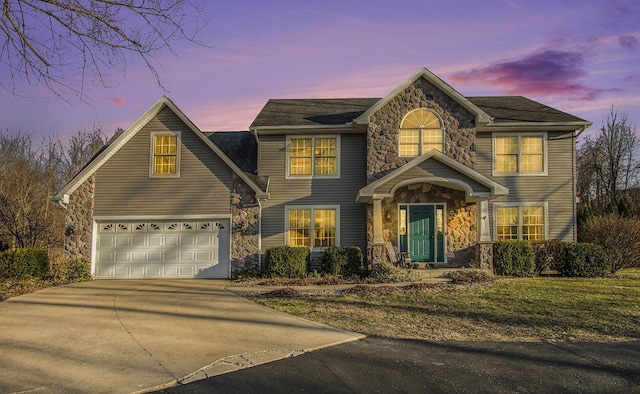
(162, 249)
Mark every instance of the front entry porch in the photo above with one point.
(433, 209)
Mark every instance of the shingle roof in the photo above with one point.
(311, 112)
(520, 109)
(240, 146)
(323, 112)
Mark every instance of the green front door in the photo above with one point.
(421, 233)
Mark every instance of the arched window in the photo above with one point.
(420, 131)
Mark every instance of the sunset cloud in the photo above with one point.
(118, 101)
(547, 73)
(629, 42)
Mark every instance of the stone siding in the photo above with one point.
(245, 236)
(79, 222)
(460, 216)
(382, 158)
(382, 146)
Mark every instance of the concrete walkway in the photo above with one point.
(127, 336)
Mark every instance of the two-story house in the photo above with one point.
(424, 171)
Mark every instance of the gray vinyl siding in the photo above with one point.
(431, 168)
(123, 186)
(312, 192)
(557, 188)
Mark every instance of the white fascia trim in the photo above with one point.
(306, 129)
(534, 126)
(496, 188)
(481, 116)
(163, 217)
(112, 149)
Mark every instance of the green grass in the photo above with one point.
(527, 309)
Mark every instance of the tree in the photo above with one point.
(47, 41)
(608, 165)
(29, 175)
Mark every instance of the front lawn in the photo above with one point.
(531, 309)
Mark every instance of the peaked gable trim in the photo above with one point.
(368, 192)
(482, 117)
(115, 146)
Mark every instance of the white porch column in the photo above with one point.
(378, 238)
(484, 233)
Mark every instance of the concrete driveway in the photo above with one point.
(127, 336)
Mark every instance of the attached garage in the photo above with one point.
(162, 249)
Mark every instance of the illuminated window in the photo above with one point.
(312, 227)
(520, 222)
(519, 154)
(420, 131)
(165, 154)
(313, 156)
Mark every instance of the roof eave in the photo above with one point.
(535, 126)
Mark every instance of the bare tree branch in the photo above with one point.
(48, 41)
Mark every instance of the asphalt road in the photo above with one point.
(410, 366)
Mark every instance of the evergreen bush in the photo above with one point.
(343, 260)
(286, 262)
(514, 258)
(585, 260)
(24, 263)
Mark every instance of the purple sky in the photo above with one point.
(579, 56)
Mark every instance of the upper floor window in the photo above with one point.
(313, 156)
(165, 154)
(519, 154)
(420, 131)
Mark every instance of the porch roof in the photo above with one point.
(438, 169)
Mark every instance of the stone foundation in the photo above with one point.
(79, 222)
(484, 256)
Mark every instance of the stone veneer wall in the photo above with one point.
(382, 158)
(79, 222)
(245, 236)
(382, 134)
(460, 216)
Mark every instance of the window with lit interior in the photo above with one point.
(313, 156)
(519, 154)
(420, 131)
(520, 222)
(312, 227)
(165, 158)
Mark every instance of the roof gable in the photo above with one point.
(481, 116)
(100, 159)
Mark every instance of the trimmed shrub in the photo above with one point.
(387, 272)
(24, 263)
(73, 270)
(343, 260)
(618, 236)
(514, 258)
(286, 262)
(585, 260)
(550, 255)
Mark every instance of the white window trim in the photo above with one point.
(545, 154)
(311, 208)
(520, 205)
(420, 152)
(178, 135)
(313, 175)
